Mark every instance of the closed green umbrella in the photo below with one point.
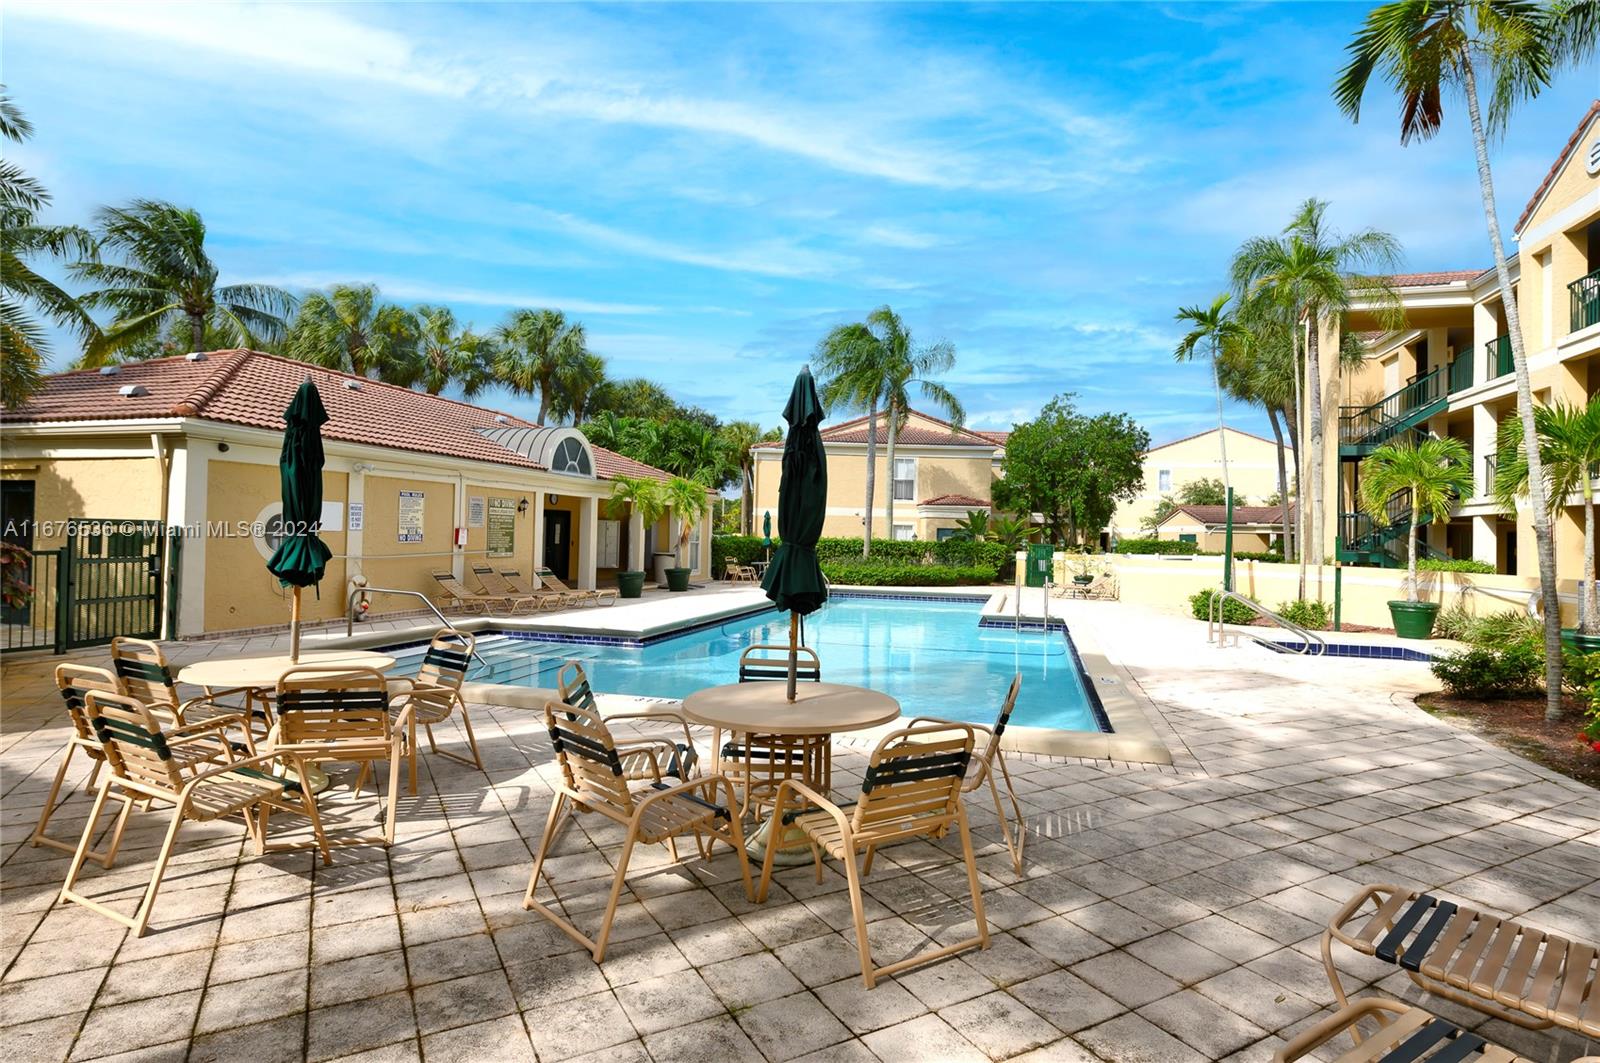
(794, 579)
(301, 557)
(766, 532)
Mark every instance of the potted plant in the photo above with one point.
(687, 500)
(646, 498)
(1437, 473)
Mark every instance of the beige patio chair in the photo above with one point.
(454, 595)
(912, 788)
(986, 765)
(652, 758)
(75, 681)
(602, 596)
(493, 583)
(1500, 967)
(1405, 1034)
(145, 674)
(592, 779)
(434, 695)
(146, 765)
(557, 599)
(737, 573)
(339, 714)
(758, 763)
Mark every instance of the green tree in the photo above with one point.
(541, 353)
(632, 397)
(1258, 367)
(644, 496)
(23, 291)
(164, 272)
(1211, 327)
(853, 366)
(1437, 472)
(1071, 468)
(447, 355)
(350, 329)
(973, 528)
(1569, 448)
(739, 439)
(686, 498)
(911, 365)
(1424, 49)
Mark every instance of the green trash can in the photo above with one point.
(1039, 555)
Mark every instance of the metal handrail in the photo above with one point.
(1216, 626)
(350, 611)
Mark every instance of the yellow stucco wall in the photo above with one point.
(121, 488)
(387, 562)
(1252, 468)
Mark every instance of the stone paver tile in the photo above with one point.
(250, 959)
(627, 1052)
(1177, 957)
(948, 982)
(1066, 1000)
(1061, 939)
(843, 1052)
(266, 920)
(1125, 979)
(136, 1025)
(463, 1001)
(819, 961)
(1223, 935)
(40, 958)
(360, 1025)
(716, 1038)
(539, 981)
(503, 1040)
(721, 939)
(655, 1004)
(1264, 1002)
(562, 1029)
(440, 961)
(1000, 1025)
(633, 961)
(42, 1039)
(446, 921)
(791, 1026)
(253, 1000)
(342, 981)
(279, 1039)
(1065, 1050)
(357, 938)
(1201, 1022)
(45, 998)
(1113, 923)
(864, 1010)
(924, 1038)
(747, 980)
(784, 924)
(1134, 1039)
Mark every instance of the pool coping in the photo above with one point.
(1133, 737)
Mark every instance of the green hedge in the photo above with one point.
(1233, 612)
(742, 549)
(873, 574)
(1454, 564)
(951, 553)
(1178, 548)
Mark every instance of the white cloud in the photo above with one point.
(895, 236)
(412, 290)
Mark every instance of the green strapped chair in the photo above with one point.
(642, 758)
(912, 788)
(75, 681)
(593, 780)
(147, 676)
(987, 763)
(758, 763)
(435, 694)
(1405, 1034)
(146, 764)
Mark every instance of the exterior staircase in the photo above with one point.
(1364, 540)
(1362, 429)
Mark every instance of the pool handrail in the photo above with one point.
(1216, 626)
(350, 610)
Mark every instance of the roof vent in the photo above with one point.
(195, 356)
(353, 385)
(110, 370)
(132, 391)
(501, 418)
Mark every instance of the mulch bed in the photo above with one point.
(1518, 724)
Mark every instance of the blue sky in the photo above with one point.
(709, 189)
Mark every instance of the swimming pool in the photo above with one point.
(931, 654)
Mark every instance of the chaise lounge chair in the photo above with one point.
(494, 583)
(457, 596)
(558, 599)
(1407, 1034)
(604, 595)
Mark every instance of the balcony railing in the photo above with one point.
(1490, 463)
(1461, 372)
(1585, 296)
(1393, 413)
(1498, 352)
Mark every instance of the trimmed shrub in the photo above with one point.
(1485, 673)
(1271, 556)
(1454, 564)
(1453, 622)
(884, 551)
(964, 553)
(887, 575)
(1155, 546)
(1313, 616)
(1233, 612)
(1580, 673)
(1510, 626)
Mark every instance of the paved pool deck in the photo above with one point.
(1165, 913)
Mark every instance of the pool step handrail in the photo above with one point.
(1217, 627)
(350, 610)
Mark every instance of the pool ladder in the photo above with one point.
(1311, 644)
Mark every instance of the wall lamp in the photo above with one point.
(522, 506)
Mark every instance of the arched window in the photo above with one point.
(572, 457)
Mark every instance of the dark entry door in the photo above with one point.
(558, 542)
(16, 528)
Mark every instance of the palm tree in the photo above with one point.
(850, 360)
(1569, 448)
(448, 356)
(1423, 48)
(687, 499)
(644, 496)
(973, 528)
(739, 439)
(1011, 533)
(537, 347)
(577, 379)
(1258, 366)
(164, 274)
(23, 345)
(1437, 472)
(909, 364)
(1214, 327)
(1315, 273)
(349, 329)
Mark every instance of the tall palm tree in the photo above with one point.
(350, 329)
(446, 355)
(536, 348)
(1437, 472)
(576, 382)
(23, 345)
(850, 362)
(909, 364)
(1258, 366)
(1422, 49)
(165, 273)
(1316, 273)
(1569, 448)
(1213, 327)
(739, 439)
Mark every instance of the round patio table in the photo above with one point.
(802, 727)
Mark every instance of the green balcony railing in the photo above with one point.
(1498, 352)
(1585, 295)
(1461, 372)
(1394, 413)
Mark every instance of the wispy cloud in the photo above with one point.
(410, 289)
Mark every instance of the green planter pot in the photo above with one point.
(1576, 643)
(678, 579)
(630, 584)
(1413, 620)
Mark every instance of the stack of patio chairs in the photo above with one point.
(516, 600)
(737, 573)
(558, 599)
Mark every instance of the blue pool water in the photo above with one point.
(930, 654)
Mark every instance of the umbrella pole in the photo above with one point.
(794, 650)
(294, 629)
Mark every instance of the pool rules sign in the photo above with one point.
(409, 516)
(502, 539)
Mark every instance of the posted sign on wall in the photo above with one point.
(410, 516)
(502, 538)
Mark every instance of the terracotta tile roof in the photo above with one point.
(1241, 514)
(251, 388)
(1423, 280)
(956, 500)
(1555, 168)
(993, 437)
